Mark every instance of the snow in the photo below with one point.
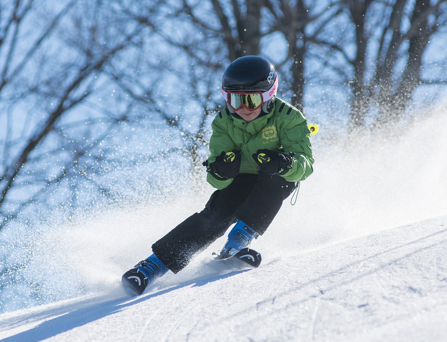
(387, 286)
(360, 257)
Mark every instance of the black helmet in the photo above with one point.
(251, 74)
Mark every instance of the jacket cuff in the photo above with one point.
(219, 185)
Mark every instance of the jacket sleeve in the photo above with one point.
(220, 142)
(295, 138)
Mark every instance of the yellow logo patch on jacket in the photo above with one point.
(270, 134)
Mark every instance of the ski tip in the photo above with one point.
(249, 256)
(134, 282)
(246, 255)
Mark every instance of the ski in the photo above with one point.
(246, 255)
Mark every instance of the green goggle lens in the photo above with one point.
(251, 101)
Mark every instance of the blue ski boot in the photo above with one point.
(142, 275)
(239, 237)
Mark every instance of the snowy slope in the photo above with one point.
(387, 286)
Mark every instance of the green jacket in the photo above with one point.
(283, 129)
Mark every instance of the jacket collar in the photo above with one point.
(256, 125)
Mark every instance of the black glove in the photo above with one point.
(272, 162)
(226, 165)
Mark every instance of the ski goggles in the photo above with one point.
(251, 100)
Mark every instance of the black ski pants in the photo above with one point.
(254, 199)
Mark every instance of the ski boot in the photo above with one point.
(239, 237)
(142, 275)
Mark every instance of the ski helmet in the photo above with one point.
(251, 74)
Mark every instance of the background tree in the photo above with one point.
(299, 22)
(377, 48)
(52, 79)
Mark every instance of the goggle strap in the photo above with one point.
(270, 93)
(225, 95)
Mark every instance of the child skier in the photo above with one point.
(260, 151)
